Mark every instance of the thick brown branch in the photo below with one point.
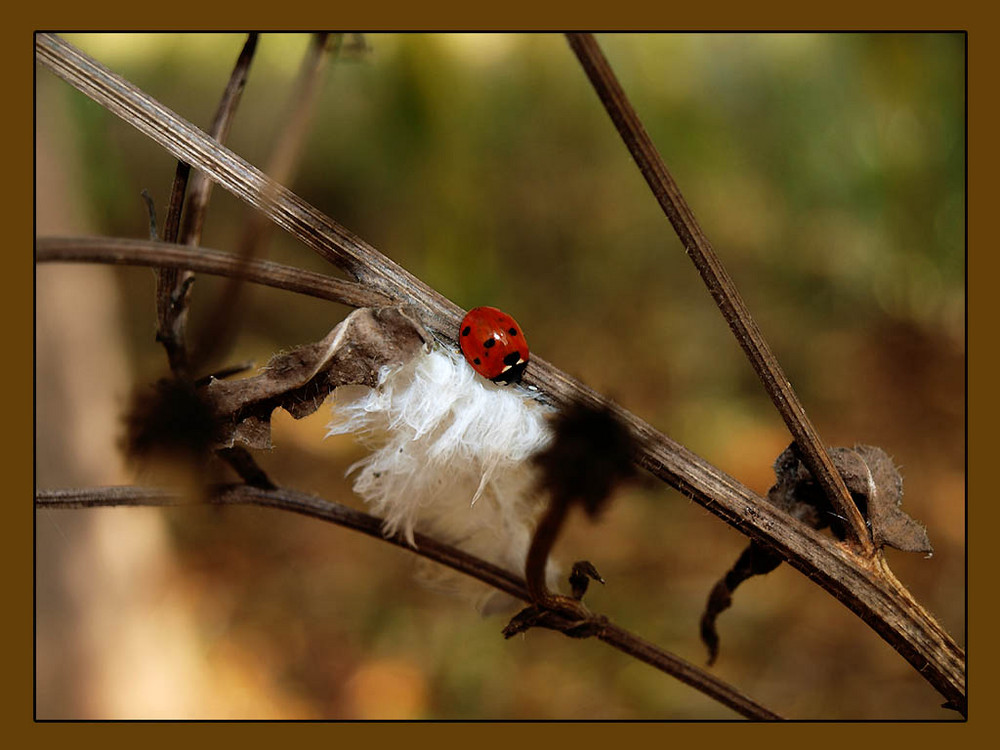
(854, 580)
(144, 253)
(187, 143)
(314, 507)
(859, 583)
(719, 283)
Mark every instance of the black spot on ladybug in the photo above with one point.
(512, 359)
(476, 361)
(490, 343)
(512, 331)
(465, 331)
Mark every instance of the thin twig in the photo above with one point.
(117, 251)
(215, 339)
(151, 210)
(173, 285)
(187, 143)
(201, 187)
(171, 288)
(342, 515)
(244, 464)
(719, 284)
(857, 582)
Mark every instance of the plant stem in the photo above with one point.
(172, 284)
(854, 580)
(341, 515)
(117, 251)
(215, 339)
(719, 284)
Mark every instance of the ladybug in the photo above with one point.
(493, 343)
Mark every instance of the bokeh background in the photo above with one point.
(828, 171)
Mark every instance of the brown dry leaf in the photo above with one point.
(868, 472)
(756, 560)
(300, 379)
(875, 485)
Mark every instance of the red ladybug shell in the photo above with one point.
(493, 343)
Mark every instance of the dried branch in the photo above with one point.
(590, 453)
(201, 187)
(171, 289)
(863, 584)
(342, 515)
(216, 338)
(151, 210)
(189, 144)
(719, 283)
(117, 251)
(173, 286)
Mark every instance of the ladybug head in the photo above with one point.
(514, 366)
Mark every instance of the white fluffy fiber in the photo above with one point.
(449, 456)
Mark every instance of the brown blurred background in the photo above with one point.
(828, 171)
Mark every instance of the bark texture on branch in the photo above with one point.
(721, 286)
(129, 252)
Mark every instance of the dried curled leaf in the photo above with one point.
(186, 422)
(756, 560)
(300, 379)
(875, 485)
(868, 471)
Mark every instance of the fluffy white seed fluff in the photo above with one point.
(449, 455)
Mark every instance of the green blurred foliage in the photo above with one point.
(828, 171)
